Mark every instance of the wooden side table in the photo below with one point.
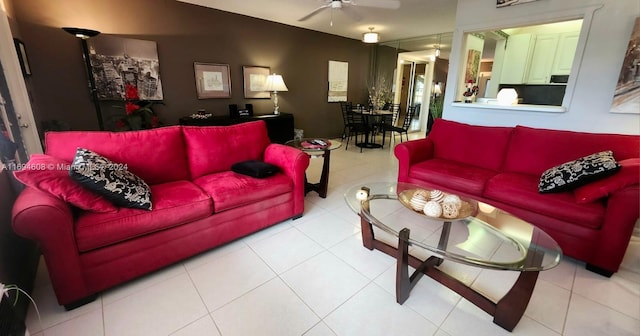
(306, 146)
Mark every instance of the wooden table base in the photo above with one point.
(322, 185)
(506, 313)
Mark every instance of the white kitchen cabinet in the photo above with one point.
(567, 44)
(542, 59)
(516, 59)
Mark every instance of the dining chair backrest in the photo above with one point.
(346, 109)
(355, 118)
(395, 109)
(408, 117)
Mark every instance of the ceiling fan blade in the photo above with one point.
(388, 4)
(315, 11)
(352, 13)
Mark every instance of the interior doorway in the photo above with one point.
(415, 72)
(412, 91)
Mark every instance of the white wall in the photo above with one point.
(595, 79)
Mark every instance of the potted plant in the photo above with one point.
(379, 94)
(435, 108)
(471, 90)
(139, 114)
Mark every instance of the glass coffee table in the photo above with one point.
(475, 234)
(313, 149)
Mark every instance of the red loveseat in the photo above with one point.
(502, 166)
(198, 203)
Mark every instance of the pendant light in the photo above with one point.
(370, 37)
(438, 48)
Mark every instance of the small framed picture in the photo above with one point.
(22, 57)
(255, 79)
(212, 80)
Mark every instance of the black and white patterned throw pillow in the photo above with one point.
(573, 174)
(111, 180)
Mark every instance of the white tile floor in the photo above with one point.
(312, 276)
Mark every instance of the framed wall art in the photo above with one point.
(117, 61)
(473, 65)
(212, 80)
(338, 81)
(626, 98)
(22, 57)
(255, 78)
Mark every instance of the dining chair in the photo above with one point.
(346, 108)
(395, 109)
(400, 130)
(357, 125)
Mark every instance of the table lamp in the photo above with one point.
(437, 89)
(275, 83)
(507, 96)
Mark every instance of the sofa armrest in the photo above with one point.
(411, 152)
(293, 163)
(49, 221)
(621, 214)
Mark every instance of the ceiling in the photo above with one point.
(414, 18)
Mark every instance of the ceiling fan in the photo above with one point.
(347, 7)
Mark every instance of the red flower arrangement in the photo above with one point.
(472, 89)
(139, 114)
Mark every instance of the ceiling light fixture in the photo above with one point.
(438, 48)
(370, 37)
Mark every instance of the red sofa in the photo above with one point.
(198, 203)
(502, 166)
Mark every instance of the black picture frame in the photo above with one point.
(22, 57)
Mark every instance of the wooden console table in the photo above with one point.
(279, 127)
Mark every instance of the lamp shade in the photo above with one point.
(437, 90)
(370, 37)
(275, 83)
(507, 96)
(82, 33)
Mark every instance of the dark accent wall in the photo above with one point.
(185, 34)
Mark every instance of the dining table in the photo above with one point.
(372, 118)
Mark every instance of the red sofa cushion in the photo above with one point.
(629, 174)
(242, 142)
(51, 175)
(230, 190)
(521, 190)
(156, 155)
(533, 150)
(174, 203)
(479, 146)
(457, 176)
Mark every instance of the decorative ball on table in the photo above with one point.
(436, 195)
(362, 194)
(450, 210)
(432, 209)
(451, 198)
(419, 199)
